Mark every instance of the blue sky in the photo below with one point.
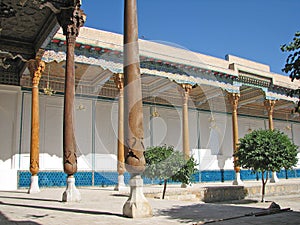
(251, 29)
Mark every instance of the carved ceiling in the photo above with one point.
(25, 27)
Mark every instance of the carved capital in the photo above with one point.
(71, 19)
(269, 104)
(119, 80)
(185, 90)
(234, 100)
(36, 68)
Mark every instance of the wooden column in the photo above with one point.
(119, 81)
(185, 91)
(269, 104)
(70, 19)
(234, 99)
(137, 205)
(36, 68)
(133, 110)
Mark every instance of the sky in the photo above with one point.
(251, 29)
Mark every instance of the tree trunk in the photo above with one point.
(264, 182)
(165, 188)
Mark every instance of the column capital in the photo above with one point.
(71, 19)
(119, 80)
(269, 104)
(36, 68)
(234, 100)
(186, 87)
(185, 90)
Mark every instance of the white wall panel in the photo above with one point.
(284, 126)
(9, 119)
(106, 132)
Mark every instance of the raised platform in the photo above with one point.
(219, 192)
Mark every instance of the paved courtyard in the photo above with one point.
(104, 206)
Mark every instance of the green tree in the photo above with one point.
(292, 65)
(264, 151)
(165, 163)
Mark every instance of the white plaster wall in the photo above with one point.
(83, 132)
(296, 139)
(25, 132)
(215, 144)
(147, 126)
(284, 126)
(51, 112)
(193, 129)
(51, 131)
(215, 141)
(9, 120)
(106, 132)
(167, 128)
(247, 125)
(10, 105)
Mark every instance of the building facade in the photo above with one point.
(214, 90)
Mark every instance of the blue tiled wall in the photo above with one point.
(101, 178)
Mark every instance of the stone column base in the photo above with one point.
(71, 194)
(237, 180)
(121, 184)
(137, 206)
(274, 178)
(34, 185)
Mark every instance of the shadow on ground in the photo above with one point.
(204, 213)
(5, 221)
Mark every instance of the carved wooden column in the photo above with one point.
(36, 68)
(185, 91)
(234, 99)
(137, 205)
(119, 81)
(269, 105)
(70, 19)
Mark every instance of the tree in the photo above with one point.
(165, 163)
(264, 151)
(292, 65)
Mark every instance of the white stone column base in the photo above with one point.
(237, 180)
(137, 206)
(71, 194)
(34, 185)
(121, 184)
(274, 178)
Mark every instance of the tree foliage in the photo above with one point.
(266, 150)
(292, 65)
(165, 163)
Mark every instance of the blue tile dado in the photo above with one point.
(106, 178)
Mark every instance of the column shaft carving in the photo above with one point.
(269, 104)
(119, 81)
(70, 19)
(133, 108)
(234, 99)
(185, 90)
(36, 68)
